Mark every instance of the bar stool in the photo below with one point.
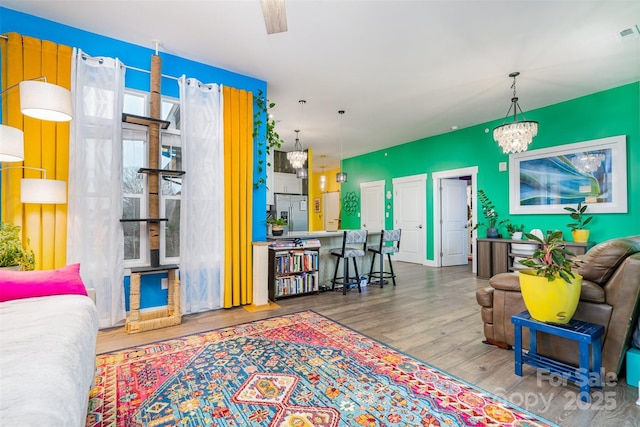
(351, 237)
(386, 237)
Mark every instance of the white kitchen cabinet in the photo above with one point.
(287, 183)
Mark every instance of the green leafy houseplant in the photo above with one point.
(272, 139)
(12, 252)
(577, 214)
(489, 212)
(551, 259)
(513, 228)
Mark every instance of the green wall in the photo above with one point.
(603, 114)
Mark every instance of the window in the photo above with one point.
(134, 201)
(135, 187)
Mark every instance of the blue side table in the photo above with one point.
(585, 333)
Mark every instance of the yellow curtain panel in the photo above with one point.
(238, 175)
(46, 145)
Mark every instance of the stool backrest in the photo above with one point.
(355, 237)
(390, 236)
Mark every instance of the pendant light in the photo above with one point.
(516, 136)
(298, 156)
(341, 176)
(323, 177)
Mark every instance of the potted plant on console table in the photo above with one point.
(550, 290)
(578, 230)
(490, 215)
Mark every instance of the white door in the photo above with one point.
(454, 229)
(372, 205)
(331, 210)
(409, 207)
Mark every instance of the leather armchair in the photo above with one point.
(610, 296)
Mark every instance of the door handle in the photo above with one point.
(420, 226)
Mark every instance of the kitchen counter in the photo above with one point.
(312, 234)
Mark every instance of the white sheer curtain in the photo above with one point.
(95, 235)
(202, 206)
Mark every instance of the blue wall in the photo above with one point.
(140, 57)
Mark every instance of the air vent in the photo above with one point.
(631, 33)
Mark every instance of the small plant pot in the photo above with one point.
(277, 230)
(492, 233)
(517, 235)
(580, 236)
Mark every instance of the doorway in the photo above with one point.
(469, 174)
(331, 210)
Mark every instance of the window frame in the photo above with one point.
(144, 258)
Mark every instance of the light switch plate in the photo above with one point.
(502, 166)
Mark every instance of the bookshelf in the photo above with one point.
(293, 270)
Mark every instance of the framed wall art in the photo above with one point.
(316, 204)
(545, 181)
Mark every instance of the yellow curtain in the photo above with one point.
(46, 146)
(238, 173)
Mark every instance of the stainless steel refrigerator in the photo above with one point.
(295, 209)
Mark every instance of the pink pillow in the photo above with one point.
(41, 283)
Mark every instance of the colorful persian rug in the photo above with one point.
(298, 370)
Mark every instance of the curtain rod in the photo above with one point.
(86, 56)
(149, 72)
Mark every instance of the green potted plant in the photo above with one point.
(550, 289)
(578, 231)
(277, 225)
(490, 215)
(13, 254)
(515, 230)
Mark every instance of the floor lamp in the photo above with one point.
(44, 101)
(40, 100)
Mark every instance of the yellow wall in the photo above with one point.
(315, 218)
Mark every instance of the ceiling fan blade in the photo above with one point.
(275, 16)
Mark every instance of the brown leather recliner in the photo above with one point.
(610, 297)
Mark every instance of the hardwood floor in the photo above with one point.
(432, 315)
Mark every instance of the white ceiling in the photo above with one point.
(402, 70)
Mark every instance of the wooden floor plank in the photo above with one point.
(432, 315)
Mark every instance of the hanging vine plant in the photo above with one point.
(272, 139)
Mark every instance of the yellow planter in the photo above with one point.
(580, 236)
(551, 302)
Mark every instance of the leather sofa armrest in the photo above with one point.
(484, 297)
(505, 282)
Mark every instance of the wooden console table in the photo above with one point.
(496, 256)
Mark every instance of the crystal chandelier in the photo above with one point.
(515, 137)
(297, 157)
(341, 176)
(588, 162)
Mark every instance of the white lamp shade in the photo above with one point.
(11, 144)
(45, 101)
(42, 191)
